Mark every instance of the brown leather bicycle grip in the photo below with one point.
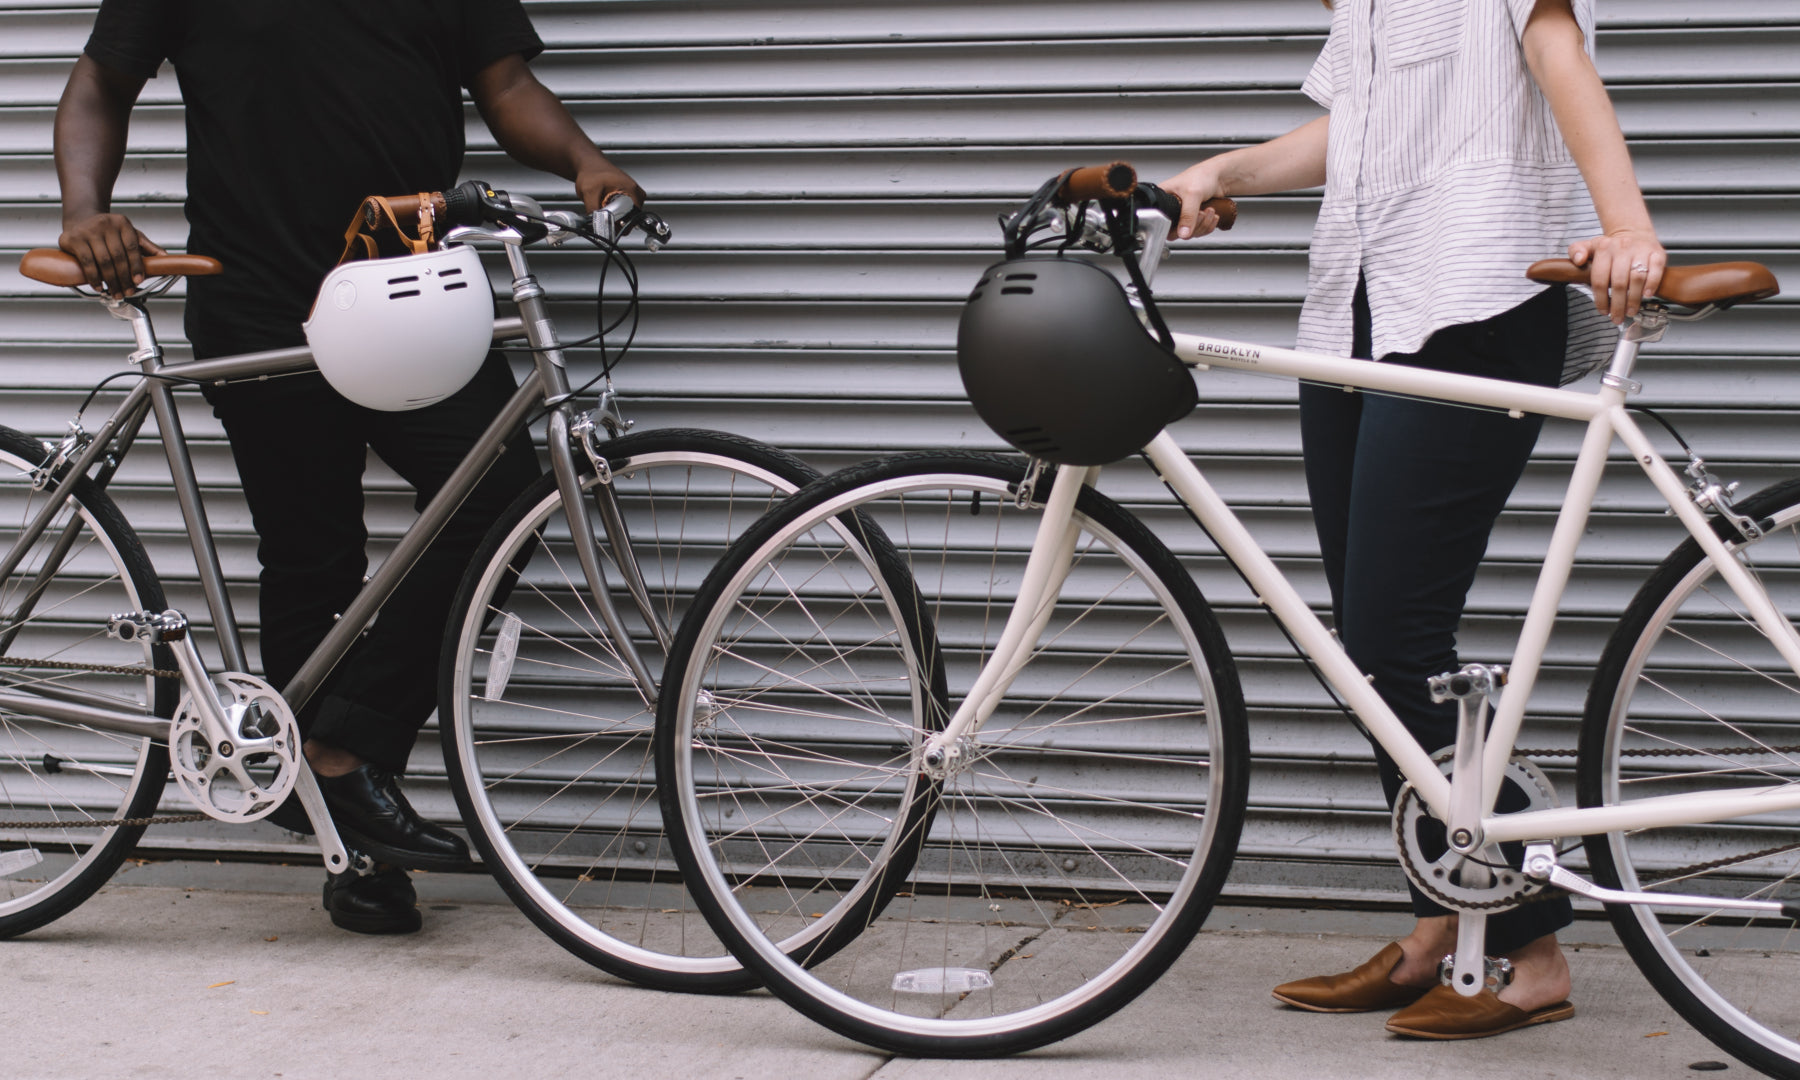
(405, 207)
(1114, 181)
(1225, 207)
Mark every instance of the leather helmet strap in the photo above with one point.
(368, 222)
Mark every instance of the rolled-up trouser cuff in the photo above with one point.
(368, 733)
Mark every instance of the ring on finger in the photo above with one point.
(1640, 268)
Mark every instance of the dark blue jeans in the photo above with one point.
(1404, 495)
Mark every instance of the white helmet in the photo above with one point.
(403, 333)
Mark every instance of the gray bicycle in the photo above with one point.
(550, 658)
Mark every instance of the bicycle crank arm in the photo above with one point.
(1541, 865)
(337, 857)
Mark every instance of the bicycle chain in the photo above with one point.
(1672, 751)
(130, 822)
(1418, 880)
(1524, 894)
(107, 669)
(74, 665)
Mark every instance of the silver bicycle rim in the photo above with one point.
(579, 795)
(97, 773)
(722, 881)
(1703, 679)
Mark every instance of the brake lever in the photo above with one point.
(620, 214)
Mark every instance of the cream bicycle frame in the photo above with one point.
(1604, 413)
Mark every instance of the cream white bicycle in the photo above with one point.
(1039, 755)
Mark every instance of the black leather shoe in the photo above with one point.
(381, 903)
(372, 816)
(292, 816)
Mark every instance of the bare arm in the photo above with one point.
(91, 124)
(1294, 160)
(535, 128)
(1627, 262)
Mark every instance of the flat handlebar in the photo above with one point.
(1119, 181)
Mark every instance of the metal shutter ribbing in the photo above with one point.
(833, 169)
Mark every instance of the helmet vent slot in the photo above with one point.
(402, 295)
(1021, 277)
(1016, 290)
(402, 280)
(456, 285)
(452, 272)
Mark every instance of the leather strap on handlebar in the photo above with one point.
(378, 212)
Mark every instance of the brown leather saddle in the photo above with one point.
(54, 267)
(1718, 284)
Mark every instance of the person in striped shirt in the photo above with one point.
(1463, 141)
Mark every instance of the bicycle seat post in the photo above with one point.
(1647, 325)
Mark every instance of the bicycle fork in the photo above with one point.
(564, 436)
(1052, 555)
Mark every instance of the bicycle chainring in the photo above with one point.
(243, 774)
(1440, 873)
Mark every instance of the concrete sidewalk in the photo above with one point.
(170, 973)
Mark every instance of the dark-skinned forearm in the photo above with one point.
(534, 128)
(92, 121)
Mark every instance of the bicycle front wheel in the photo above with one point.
(1041, 881)
(1691, 696)
(545, 732)
(62, 783)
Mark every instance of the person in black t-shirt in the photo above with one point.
(295, 112)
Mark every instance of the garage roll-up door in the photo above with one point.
(833, 171)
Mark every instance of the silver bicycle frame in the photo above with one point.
(547, 386)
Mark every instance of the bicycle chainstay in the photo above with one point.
(1674, 873)
(108, 669)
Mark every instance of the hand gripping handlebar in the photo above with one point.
(1119, 181)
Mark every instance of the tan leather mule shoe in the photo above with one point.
(1364, 990)
(1446, 1014)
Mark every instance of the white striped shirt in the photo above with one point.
(1445, 173)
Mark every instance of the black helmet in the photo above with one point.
(1056, 361)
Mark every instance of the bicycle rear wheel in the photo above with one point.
(1690, 696)
(1043, 882)
(59, 779)
(545, 733)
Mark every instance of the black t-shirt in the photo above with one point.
(295, 112)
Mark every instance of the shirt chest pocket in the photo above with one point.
(1422, 30)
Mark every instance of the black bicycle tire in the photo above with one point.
(1591, 765)
(1234, 755)
(618, 452)
(154, 764)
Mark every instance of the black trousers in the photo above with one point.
(300, 451)
(1404, 495)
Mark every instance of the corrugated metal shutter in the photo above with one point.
(833, 170)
